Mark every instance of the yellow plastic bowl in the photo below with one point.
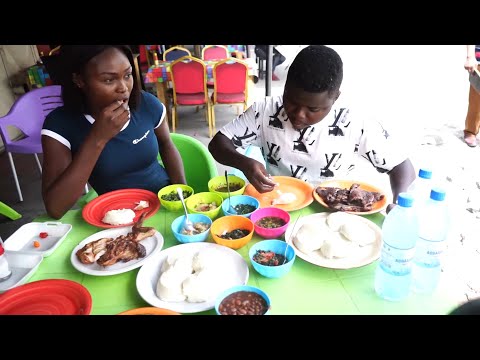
(204, 197)
(229, 223)
(173, 205)
(219, 182)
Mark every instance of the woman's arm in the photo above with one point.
(170, 156)
(64, 178)
(401, 176)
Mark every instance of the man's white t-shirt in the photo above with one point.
(326, 150)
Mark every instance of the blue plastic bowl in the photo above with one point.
(277, 246)
(240, 199)
(235, 289)
(178, 223)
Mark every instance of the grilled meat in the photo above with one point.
(122, 249)
(353, 199)
(108, 251)
(93, 250)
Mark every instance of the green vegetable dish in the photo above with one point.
(243, 209)
(270, 222)
(173, 196)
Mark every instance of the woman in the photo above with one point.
(108, 132)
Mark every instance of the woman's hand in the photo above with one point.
(258, 177)
(470, 64)
(111, 120)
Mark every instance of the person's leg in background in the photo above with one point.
(277, 60)
(472, 122)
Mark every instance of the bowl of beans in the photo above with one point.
(218, 185)
(200, 232)
(268, 257)
(233, 231)
(205, 203)
(243, 205)
(242, 300)
(169, 198)
(270, 222)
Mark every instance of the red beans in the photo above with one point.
(243, 303)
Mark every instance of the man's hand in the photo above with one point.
(258, 177)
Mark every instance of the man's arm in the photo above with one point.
(401, 176)
(224, 152)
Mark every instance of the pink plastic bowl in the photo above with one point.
(266, 233)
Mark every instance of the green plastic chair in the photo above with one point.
(9, 212)
(199, 165)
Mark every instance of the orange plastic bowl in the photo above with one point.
(230, 223)
(149, 311)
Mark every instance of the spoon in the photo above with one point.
(292, 234)
(230, 207)
(188, 225)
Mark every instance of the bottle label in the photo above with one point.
(396, 261)
(428, 253)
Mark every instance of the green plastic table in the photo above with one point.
(306, 289)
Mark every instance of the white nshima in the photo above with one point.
(311, 237)
(358, 232)
(337, 246)
(119, 217)
(337, 219)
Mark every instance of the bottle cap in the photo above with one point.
(424, 173)
(437, 194)
(405, 200)
(1, 250)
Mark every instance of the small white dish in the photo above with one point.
(23, 239)
(22, 265)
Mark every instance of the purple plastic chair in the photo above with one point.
(28, 114)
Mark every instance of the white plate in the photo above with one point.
(153, 244)
(22, 265)
(22, 239)
(149, 274)
(361, 257)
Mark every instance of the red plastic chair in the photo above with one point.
(28, 114)
(189, 87)
(230, 78)
(214, 52)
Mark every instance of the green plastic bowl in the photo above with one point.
(219, 182)
(204, 197)
(173, 205)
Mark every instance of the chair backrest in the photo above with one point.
(29, 111)
(199, 164)
(230, 77)
(214, 52)
(188, 76)
(175, 52)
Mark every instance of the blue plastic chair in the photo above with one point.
(199, 165)
(28, 114)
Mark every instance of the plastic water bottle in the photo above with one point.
(420, 188)
(393, 276)
(433, 231)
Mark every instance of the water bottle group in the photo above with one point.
(414, 236)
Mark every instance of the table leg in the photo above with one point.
(162, 96)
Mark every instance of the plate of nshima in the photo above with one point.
(228, 266)
(286, 184)
(96, 209)
(115, 251)
(342, 195)
(358, 256)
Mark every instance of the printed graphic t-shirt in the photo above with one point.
(326, 150)
(129, 160)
